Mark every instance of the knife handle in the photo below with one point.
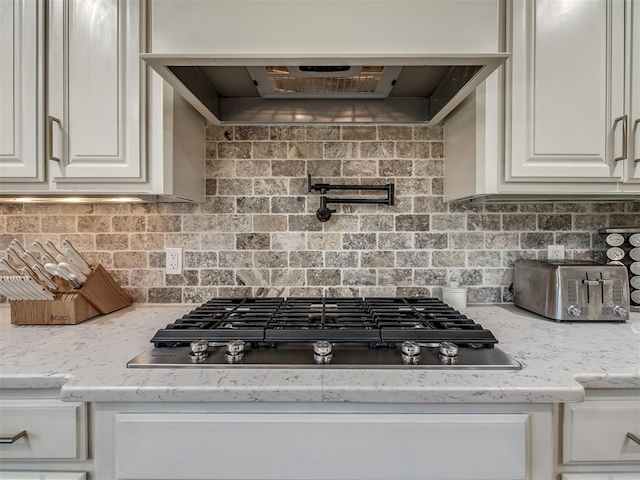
(53, 269)
(18, 260)
(17, 246)
(76, 259)
(72, 271)
(53, 248)
(46, 258)
(27, 275)
(30, 259)
(12, 288)
(44, 276)
(43, 251)
(76, 255)
(34, 289)
(13, 256)
(4, 265)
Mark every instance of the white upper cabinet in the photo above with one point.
(567, 91)
(107, 127)
(560, 122)
(94, 85)
(632, 162)
(21, 91)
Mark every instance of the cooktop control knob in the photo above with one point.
(619, 311)
(410, 353)
(448, 353)
(574, 311)
(198, 353)
(322, 352)
(235, 351)
(448, 349)
(235, 347)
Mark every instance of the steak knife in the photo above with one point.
(34, 289)
(10, 288)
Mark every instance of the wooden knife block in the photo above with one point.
(100, 294)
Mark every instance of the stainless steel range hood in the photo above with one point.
(228, 89)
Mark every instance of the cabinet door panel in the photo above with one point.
(54, 429)
(632, 173)
(559, 38)
(21, 91)
(567, 90)
(95, 89)
(600, 476)
(93, 79)
(42, 476)
(596, 431)
(321, 446)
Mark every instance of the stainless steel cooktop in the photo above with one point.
(421, 333)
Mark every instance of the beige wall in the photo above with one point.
(257, 232)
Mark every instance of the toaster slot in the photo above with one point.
(591, 286)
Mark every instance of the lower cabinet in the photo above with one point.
(320, 446)
(600, 476)
(600, 437)
(319, 442)
(42, 476)
(42, 429)
(43, 438)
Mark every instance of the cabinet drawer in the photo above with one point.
(600, 476)
(596, 431)
(320, 446)
(42, 476)
(54, 429)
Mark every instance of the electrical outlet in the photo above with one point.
(555, 252)
(174, 261)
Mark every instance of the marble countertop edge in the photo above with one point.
(33, 381)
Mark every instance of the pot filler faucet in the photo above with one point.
(324, 212)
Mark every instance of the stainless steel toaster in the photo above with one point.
(572, 290)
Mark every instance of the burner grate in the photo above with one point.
(338, 320)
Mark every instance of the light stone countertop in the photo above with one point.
(88, 362)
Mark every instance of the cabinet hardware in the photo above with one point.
(635, 129)
(23, 433)
(324, 212)
(633, 437)
(50, 142)
(623, 118)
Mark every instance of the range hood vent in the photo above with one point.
(287, 90)
(330, 81)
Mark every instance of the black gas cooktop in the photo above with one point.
(328, 332)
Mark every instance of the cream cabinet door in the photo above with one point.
(94, 90)
(321, 446)
(567, 84)
(632, 163)
(42, 476)
(600, 476)
(21, 91)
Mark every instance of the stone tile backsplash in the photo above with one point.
(257, 233)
